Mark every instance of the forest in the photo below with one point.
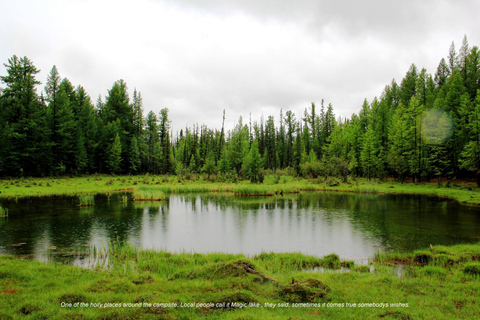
(427, 126)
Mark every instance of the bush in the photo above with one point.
(312, 169)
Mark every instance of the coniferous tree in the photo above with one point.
(252, 163)
(399, 142)
(452, 58)
(291, 127)
(470, 156)
(442, 74)
(26, 131)
(66, 131)
(152, 142)
(134, 156)
(115, 155)
(164, 135)
(369, 153)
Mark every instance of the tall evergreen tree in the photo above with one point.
(369, 153)
(23, 114)
(115, 155)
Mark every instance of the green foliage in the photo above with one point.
(425, 127)
(3, 212)
(369, 154)
(115, 155)
(252, 163)
(472, 268)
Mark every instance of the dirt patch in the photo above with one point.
(72, 298)
(395, 315)
(310, 290)
(28, 309)
(423, 257)
(236, 269)
(9, 291)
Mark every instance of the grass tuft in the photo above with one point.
(86, 200)
(3, 212)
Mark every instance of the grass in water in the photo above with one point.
(3, 212)
(148, 194)
(86, 200)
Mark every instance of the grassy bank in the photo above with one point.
(437, 283)
(156, 187)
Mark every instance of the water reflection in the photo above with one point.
(355, 226)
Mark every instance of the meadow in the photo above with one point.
(436, 283)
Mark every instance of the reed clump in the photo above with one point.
(144, 194)
(86, 200)
(3, 212)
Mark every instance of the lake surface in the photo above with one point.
(355, 226)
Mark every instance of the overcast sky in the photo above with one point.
(198, 57)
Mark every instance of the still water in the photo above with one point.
(355, 226)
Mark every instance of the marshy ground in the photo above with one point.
(437, 283)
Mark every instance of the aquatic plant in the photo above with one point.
(144, 194)
(3, 212)
(86, 200)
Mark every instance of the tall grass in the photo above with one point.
(127, 275)
(148, 194)
(3, 212)
(86, 200)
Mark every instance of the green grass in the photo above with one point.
(135, 280)
(153, 186)
(148, 194)
(86, 200)
(3, 212)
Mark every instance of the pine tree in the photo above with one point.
(463, 59)
(117, 106)
(209, 166)
(472, 83)
(164, 135)
(114, 163)
(291, 125)
(442, 74)
(452, 58)
(369, 154)
(470, 156)
(252, 163)
(400, 148)
(134, 156)
(81, 159)
(65, 131)
(152, 140)
(26, 135)
(224, 163)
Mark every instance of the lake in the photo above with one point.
(355, 226)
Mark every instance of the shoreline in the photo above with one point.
(153, 186)
(438, 282)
